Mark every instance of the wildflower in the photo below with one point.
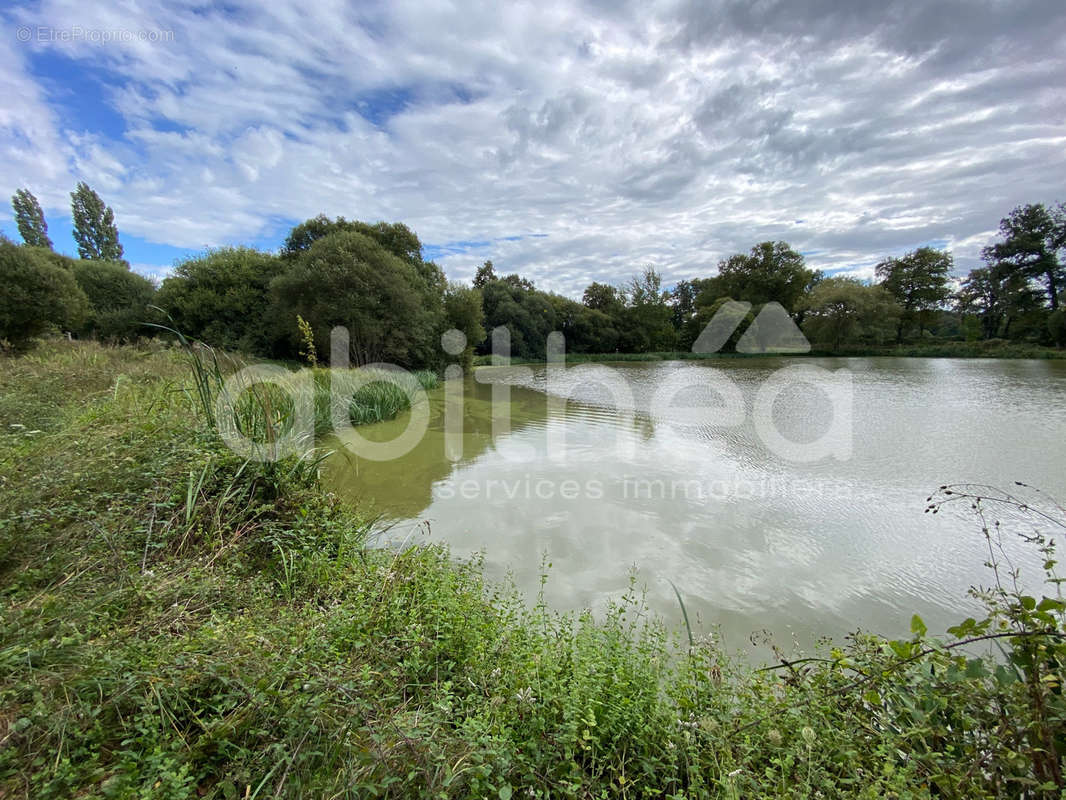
(526, 696)
(808, 735)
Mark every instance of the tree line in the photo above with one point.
(373, 279)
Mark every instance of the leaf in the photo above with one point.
(1051, 604)
(918, 626)
(900, 648)
(505, 792)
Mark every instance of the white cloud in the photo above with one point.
(668, 134)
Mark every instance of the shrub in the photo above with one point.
(36, 295)
(118, 299)
(222, 298)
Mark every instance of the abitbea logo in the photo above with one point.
(771, 332)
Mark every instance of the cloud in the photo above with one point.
(669, 134)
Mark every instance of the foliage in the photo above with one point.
(118, 299)
(527, 313)
(602, 297)
(771, 272)
(396, 237)
(30, 219)
(646, 324)
(845, 309)
(94, 225)
(1000, 298)
(485, 273)
(223, 297)
(392, 309)
(464, 312)
(37, 295)
(1032, 238)
(918, 281)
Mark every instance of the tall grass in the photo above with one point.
(264, 412)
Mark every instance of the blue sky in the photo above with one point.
(569, 142)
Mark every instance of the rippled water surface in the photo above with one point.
(610, 482)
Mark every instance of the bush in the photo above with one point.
(36, 295)
(392, 311)
(222, 298)
(118, 299)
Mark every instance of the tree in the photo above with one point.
(839, 309)
(94, 226)
(30, 219)
(393, 313)
(223, 298)
(646, 323)
(919, 283)
(118, 299)
(394, 237)
(37, 295)
(602, 297)
(705, 312)
(683, 299)
(1032, 238)
(485, 273)
(528, 313)
(772, 271)
(464, 312)
(998, 296)
(587, 330)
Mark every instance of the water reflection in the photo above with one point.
(752, 540)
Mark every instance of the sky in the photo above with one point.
(569, 142)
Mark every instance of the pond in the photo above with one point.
(805, 521)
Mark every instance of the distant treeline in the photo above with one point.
(374, 280)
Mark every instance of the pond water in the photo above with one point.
(817, 537)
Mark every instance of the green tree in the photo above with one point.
(603, 297)
(485, 273)
(94, 226)
(223, 298)
(840, 309)
(683, 299)
(1033, 237)
(464, 312)
(394, 237)
(585, 329)
(515, 303)
(702, 316)
(30, 219)
(646, 324)
(772, 271)
(1000, 297)
(392, 311)
(37, 295)
(919, 283)
(118, 299)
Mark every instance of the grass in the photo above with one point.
(178, 622)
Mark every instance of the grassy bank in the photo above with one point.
(995, 348)
(177, 622)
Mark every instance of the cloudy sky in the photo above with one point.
(567, 141)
